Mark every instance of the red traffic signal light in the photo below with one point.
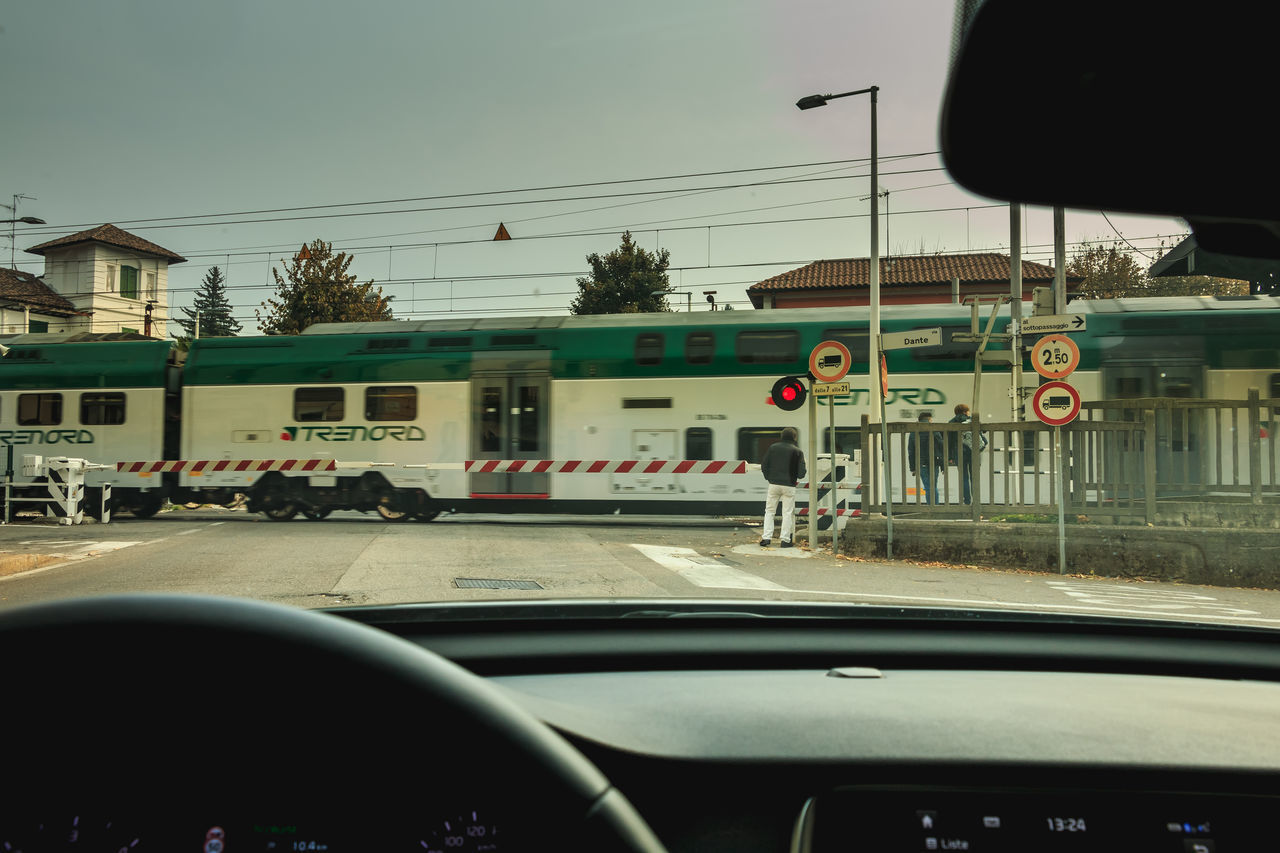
(789, 393)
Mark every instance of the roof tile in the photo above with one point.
(111, 236)
(902, 272)
(29, 290)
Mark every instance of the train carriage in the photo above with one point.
(386, 415)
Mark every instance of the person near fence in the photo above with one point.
(783, 467)
(960, 451)
(926, 448)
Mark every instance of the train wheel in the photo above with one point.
(388, 507)
(317, 514)
(282, 512)
(427, 515)
(148, 505)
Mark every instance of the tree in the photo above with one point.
(316, 288)
(1109, 273)
(624, 281)
(213, 309)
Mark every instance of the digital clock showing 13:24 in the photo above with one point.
(1066, 824)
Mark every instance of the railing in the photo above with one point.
(1120, 458)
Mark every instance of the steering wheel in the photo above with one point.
(153, 700)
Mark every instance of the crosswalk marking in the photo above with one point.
(704, 571)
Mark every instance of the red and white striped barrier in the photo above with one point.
(215, 465)
(852, 513)
(625, 466)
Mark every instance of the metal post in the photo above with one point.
(1255, 448)
(1015, 314)
(835, 515)
(8, 484)
(1149, 464)
(1062, 511)
(1059, 261)
(813, 469)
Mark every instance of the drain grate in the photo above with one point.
(494, 583)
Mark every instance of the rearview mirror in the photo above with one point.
(1119, 105)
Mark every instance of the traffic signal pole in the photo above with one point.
(813, 471)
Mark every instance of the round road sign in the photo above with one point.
(1056, 403)
(829, 361)
(1055, 356)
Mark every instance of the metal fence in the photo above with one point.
(1120, 458)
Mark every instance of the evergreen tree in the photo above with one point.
(216, 320)
(624, 281)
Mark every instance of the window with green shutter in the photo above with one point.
(129, 282)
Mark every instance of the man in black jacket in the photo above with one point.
(783, 467)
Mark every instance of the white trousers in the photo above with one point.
(786, 494)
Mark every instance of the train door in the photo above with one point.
(1180, 432)
(509, 420)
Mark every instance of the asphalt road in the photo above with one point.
(351, 558)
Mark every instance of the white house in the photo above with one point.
(116, 281)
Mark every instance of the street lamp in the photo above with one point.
(13, 234)
(873, 355)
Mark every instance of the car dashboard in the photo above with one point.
(814, 728)
(221, 726)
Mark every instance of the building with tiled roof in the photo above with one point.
(27, 304)
(909, 280)
(116, 281)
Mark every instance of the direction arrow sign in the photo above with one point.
(1056, 403)
(914, 338)
(1049, 324)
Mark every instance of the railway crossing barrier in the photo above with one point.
(64, 480)
(826, 482)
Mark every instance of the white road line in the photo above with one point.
(1156, 598)
(1026, 605)
(704, 571)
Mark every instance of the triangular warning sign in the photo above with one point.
(502, 233)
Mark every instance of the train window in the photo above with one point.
(102, 409)
(949, 349)
(39, 409)
(848, 439)
(699, 347)
(754, 441)
(649, 348)
(857, 341)
(697, 443)
(318, 404)
(772, 347)
(391, 403)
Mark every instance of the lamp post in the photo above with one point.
(873, 354)
(13, 234)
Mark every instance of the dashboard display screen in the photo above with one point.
(979, 821)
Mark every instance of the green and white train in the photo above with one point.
(395, 411)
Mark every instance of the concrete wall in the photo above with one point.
(1216, 556)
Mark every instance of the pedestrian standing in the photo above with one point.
(783, 467)
(960, 451)
(926, 448)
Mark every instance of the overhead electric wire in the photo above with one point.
(141, 223)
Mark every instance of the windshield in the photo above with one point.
(406, 302)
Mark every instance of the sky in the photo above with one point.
(405, 131)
